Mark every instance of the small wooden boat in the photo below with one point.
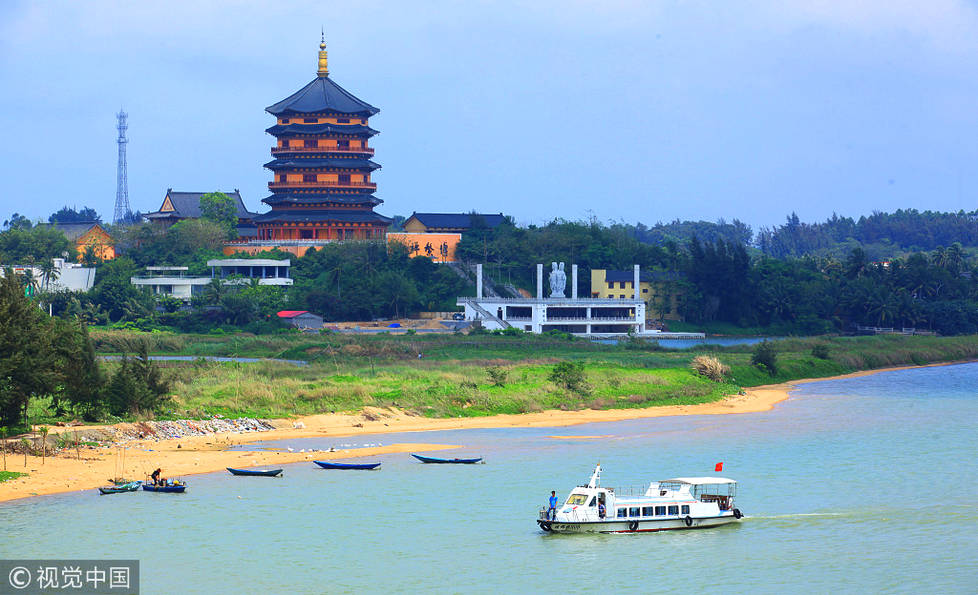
(331, 465)
(424, 459)
(132, 486)
(170, 488)
(255, 472)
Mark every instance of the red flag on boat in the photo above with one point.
(718, 468)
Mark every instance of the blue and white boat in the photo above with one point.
(680, 503)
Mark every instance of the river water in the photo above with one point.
(852, 486)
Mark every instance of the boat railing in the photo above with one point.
(630, 491)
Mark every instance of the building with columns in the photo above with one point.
(587, 316)
(321, 187)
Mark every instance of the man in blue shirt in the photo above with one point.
(552, 512)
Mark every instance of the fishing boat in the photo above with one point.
(331, 465)
(176, 487)
(255, 472)
(438, 460)
(680, 503)
(119, 488)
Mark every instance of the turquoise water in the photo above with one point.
(852, 486)
(688, 343)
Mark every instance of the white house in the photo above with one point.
(176, 282)
(68, 276)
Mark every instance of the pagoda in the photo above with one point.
(321, 189)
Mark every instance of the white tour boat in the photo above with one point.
(680, 503)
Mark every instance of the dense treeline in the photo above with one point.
(882, 235)
(805, 278)
(682, 232)
(43, 356)
(365, 280)
(722, 281)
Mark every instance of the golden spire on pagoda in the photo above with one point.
(323, 67)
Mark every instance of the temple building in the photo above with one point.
(321, 189)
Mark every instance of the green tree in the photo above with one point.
(765, 357)
(91, 257)
(70, 215)
(220, 208)
(83, 381)
(569, 375)
(19, 245)
(27, 360)
(116, 295)
(137, 387)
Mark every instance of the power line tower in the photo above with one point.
(122, 211)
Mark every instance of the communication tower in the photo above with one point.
(122, 211)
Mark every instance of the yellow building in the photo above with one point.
(451, 222)
(88, 236)
(439, 247)
(659, 290)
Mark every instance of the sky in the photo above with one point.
(634, 111)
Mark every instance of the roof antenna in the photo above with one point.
(323, 66)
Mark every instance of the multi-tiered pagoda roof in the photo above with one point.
(321, 189)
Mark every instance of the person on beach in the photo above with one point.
(552, 511)
(156, 476)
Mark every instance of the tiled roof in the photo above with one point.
(299, 128)
(456, 220)
(322, 95)
(308, 162)
(73, 231)
(186, 205)
(300, 199)
(321, 216)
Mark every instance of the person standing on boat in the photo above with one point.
(156, 476)
(552, 511)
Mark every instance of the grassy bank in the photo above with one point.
(484, 375)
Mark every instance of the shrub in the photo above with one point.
(496, 375)
(710, 367)
(765, 357)
(569, 375)
(821, 351)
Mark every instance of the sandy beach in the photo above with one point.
(181, 457)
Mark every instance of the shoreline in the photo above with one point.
(192, 455)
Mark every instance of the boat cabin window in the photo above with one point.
(685, 508)
(577, 499)
(593, 502)
(622, 513)
(634, 511)
(673, 510)
(647, 511)
(660, 510)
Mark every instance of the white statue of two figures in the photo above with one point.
(558, 280)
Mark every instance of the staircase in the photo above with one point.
(486, 314)
(489, 287)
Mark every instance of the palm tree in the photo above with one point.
(27, 446)
(49, 273)
(3, 446)
(43, 431)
